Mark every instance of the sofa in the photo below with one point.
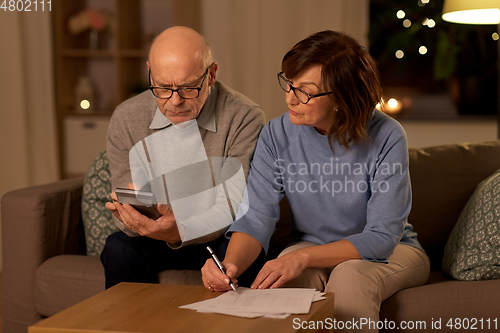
(46, 269)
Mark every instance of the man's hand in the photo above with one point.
(111, 206)
(280, 270)
(214, 279)
(164, 228)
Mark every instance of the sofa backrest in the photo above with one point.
(443, 178)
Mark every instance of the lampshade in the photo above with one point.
(472, 11)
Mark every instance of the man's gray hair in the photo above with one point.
(206, 53)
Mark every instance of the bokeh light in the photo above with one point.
(85, 104)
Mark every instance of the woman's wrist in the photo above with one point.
(303, 257)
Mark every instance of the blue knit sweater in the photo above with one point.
(361, 194)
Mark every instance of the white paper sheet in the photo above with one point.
(253, 303)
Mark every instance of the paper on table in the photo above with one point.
(319, 296)
(284, 300)
(252, 303)
(211, 306)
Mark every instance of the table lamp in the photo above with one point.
(476, 12)
(84, 94)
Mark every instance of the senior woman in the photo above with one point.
(343, 166)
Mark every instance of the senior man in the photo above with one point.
(166, 136)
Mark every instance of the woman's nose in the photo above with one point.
(291, 98)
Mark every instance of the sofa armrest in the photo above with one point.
(38, 223)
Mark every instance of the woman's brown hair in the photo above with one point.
(349, 72)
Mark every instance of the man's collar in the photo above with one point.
(206, 118)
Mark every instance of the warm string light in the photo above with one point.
(422, 3)
(430, 23)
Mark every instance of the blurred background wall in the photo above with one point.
(28, 146)
(248, 39)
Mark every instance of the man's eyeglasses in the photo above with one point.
(301, 95)
(185, 93)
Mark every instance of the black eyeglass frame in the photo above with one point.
(292, 88)
(179, 89)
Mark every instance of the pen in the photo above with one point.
(218, 263)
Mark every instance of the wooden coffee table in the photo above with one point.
(138, 307)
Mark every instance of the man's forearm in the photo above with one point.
(242, 251)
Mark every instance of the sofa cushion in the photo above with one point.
(443, 178)
(63, 281)
(443, 301)
(97, 220)
(473, 248)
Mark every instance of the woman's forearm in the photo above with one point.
(329, 255)
(242, 251)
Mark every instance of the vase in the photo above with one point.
(94, 40)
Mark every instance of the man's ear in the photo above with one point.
(213, 74)
(147, 64)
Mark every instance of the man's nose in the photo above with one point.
(176, 99)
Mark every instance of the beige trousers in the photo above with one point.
(361, 286)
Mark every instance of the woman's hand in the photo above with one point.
(214, 279)
(280, 270)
